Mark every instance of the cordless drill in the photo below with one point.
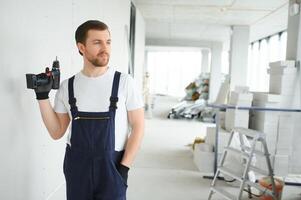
(37, 80)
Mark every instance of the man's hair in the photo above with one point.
(81, 32)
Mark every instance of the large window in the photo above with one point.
(261, 53)
(171, 71)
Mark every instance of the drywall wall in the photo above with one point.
(139, 50)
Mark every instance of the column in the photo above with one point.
(205, 60)
(239, 56)
(293, 34)
(215, 71)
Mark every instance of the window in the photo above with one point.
(261, 53)
(171, 71)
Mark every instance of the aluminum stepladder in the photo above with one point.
(247, 153)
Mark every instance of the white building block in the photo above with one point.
(266, 97)
(241, 89)
(241, 99)
(236, 118)
(222, 139)
(204, 160)
(222, 119)
(281, 165)
(285, 63)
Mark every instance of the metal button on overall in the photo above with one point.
(90, 162)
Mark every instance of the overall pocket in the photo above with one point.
(114, 166)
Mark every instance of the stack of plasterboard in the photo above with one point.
(238, 118)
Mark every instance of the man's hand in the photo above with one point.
(123, 171)
(42, 92)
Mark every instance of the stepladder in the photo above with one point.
(247, 152)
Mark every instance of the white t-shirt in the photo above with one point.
(93, 95)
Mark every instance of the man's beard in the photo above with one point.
(99, 62)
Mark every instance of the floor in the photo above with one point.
(164, 169)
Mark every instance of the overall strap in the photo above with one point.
(72, 100)
(114, 94)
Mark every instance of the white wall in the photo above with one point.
(32, 34)
(139, 50)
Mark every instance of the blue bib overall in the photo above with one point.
(91, 160)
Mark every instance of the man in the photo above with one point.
(104, 108)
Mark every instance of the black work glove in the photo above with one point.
(42, 92)
(123, 171)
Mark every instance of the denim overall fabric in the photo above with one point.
(90, 163)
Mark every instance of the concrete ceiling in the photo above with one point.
(211, 19)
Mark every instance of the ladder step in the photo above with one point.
(237, 151)
(229, 172)
(248, 149)
(260, 188)
(223, 193)
(258, 170)
(248, 132)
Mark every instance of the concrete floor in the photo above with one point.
(164, 169)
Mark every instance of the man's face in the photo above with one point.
(97, 48)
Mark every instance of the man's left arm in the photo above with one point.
(136, 121)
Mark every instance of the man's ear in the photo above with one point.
(81, 47)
